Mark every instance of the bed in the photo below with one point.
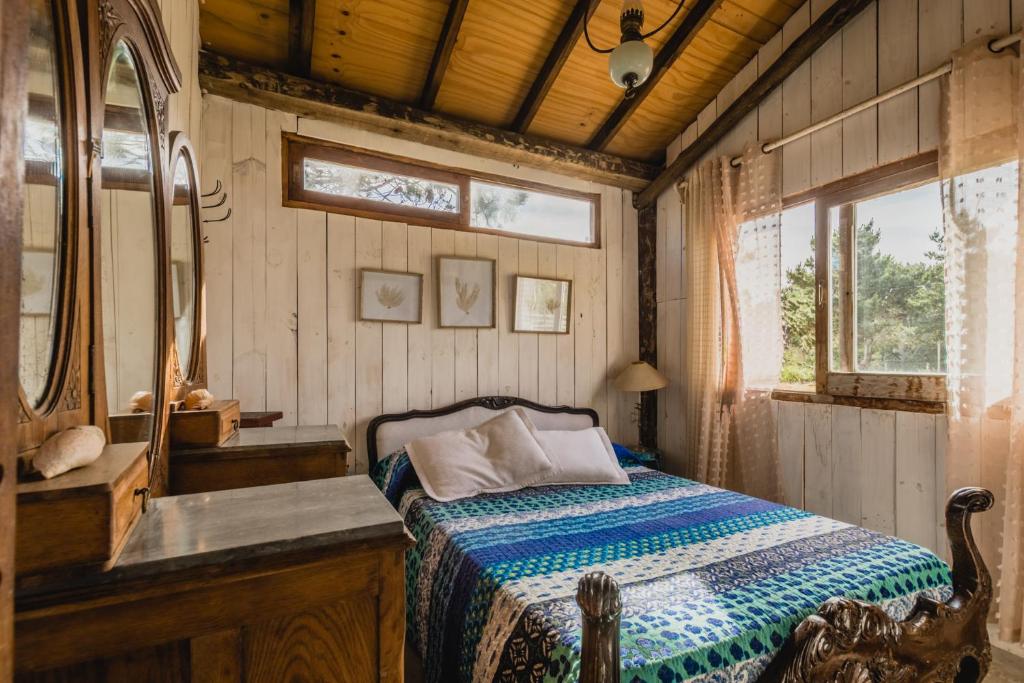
(668, 580)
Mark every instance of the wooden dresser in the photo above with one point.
(260, 456)
(292, 582)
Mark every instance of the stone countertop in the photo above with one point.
(267, 440)
(196, 531)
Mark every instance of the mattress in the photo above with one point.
(712, 581)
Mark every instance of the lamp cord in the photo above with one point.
(586, 31)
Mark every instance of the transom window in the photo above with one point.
(332, 177)
(863, 287)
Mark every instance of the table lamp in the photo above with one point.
(640, 376)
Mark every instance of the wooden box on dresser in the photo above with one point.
(302, 581)
(259, 457)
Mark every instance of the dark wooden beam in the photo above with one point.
(647, 252)
(826, 26)
(680, 39)
(237, 80)
(301, 14)
(443, 52)
(581, 13)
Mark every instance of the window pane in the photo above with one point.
(900, 288)
(529, 212)
(379, 186)
(798, 294)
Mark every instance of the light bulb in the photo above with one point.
(630, 64)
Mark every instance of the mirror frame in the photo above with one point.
(184, 380)
(67, 400)
(138, 24)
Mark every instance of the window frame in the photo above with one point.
(296, 148)
(847, 385)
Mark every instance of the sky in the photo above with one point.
(905, 218)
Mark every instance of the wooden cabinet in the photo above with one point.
(291, 582)
(259, 457)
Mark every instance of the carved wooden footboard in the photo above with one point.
(848, 641)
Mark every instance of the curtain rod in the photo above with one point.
(997, 45)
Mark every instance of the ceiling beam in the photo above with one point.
(237, 80)
(560, 51)
(301, 14)
(680, 39)
(443, 52)
(826, 26)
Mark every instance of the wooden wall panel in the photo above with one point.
(317, 363)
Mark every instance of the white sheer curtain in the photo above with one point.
(733, 321)
(984, 236)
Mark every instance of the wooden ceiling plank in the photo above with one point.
(824, 27)
(443, 52)
(558, 55)
(684, 34)
(300, 35)
(237, 80)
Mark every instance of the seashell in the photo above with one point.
(142, 401)
(198, 399)
(71, 448)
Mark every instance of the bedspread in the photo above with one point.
(712, 581)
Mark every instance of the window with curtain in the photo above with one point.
(862, 287)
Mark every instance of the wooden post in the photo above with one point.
(599, 600)
(647, 237)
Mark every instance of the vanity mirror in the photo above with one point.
(186, 267)
(43, 217)
(129, 256)
(51, 349)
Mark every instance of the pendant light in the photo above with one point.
(631, 61)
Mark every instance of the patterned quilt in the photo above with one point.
(712, 581)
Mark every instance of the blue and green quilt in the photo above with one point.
(712, 581)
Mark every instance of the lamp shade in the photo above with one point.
(640, 376)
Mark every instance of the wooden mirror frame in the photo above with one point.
(184, 380)
(138, 23)
(66, 400)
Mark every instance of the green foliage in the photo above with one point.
(497, 208)
(900, 312)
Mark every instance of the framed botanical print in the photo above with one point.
(543, 305)
(465, 291)
(390, 296)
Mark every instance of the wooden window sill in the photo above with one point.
(800, 395)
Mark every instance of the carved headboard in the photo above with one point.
(387, 433)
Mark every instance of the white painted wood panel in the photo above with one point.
(311, 245)
(877, 473)
(442, 341)
(527, 342)
(282, 282)
(818, 497)
(897, 63)
(342, 313)
(369, 345)
(846, 464)
(915, 478)
(395, 336)
(418, 337)
(790, 436)
(465, 340)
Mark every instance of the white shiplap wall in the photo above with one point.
(881, 469)
(181, 22)
(281, 294)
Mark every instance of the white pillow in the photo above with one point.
(583, 456)
(499, 455)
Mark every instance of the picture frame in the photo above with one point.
(542, 305)
(466, 292)
(390, 296)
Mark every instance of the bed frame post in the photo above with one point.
(599, 601)
(848, 640)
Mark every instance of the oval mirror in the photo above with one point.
(128, 260)
(43, 222)
(184, 229)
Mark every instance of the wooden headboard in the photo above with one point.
(383, 437)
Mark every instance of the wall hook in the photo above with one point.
(223, 198)
(216, 189)
(219, 220)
